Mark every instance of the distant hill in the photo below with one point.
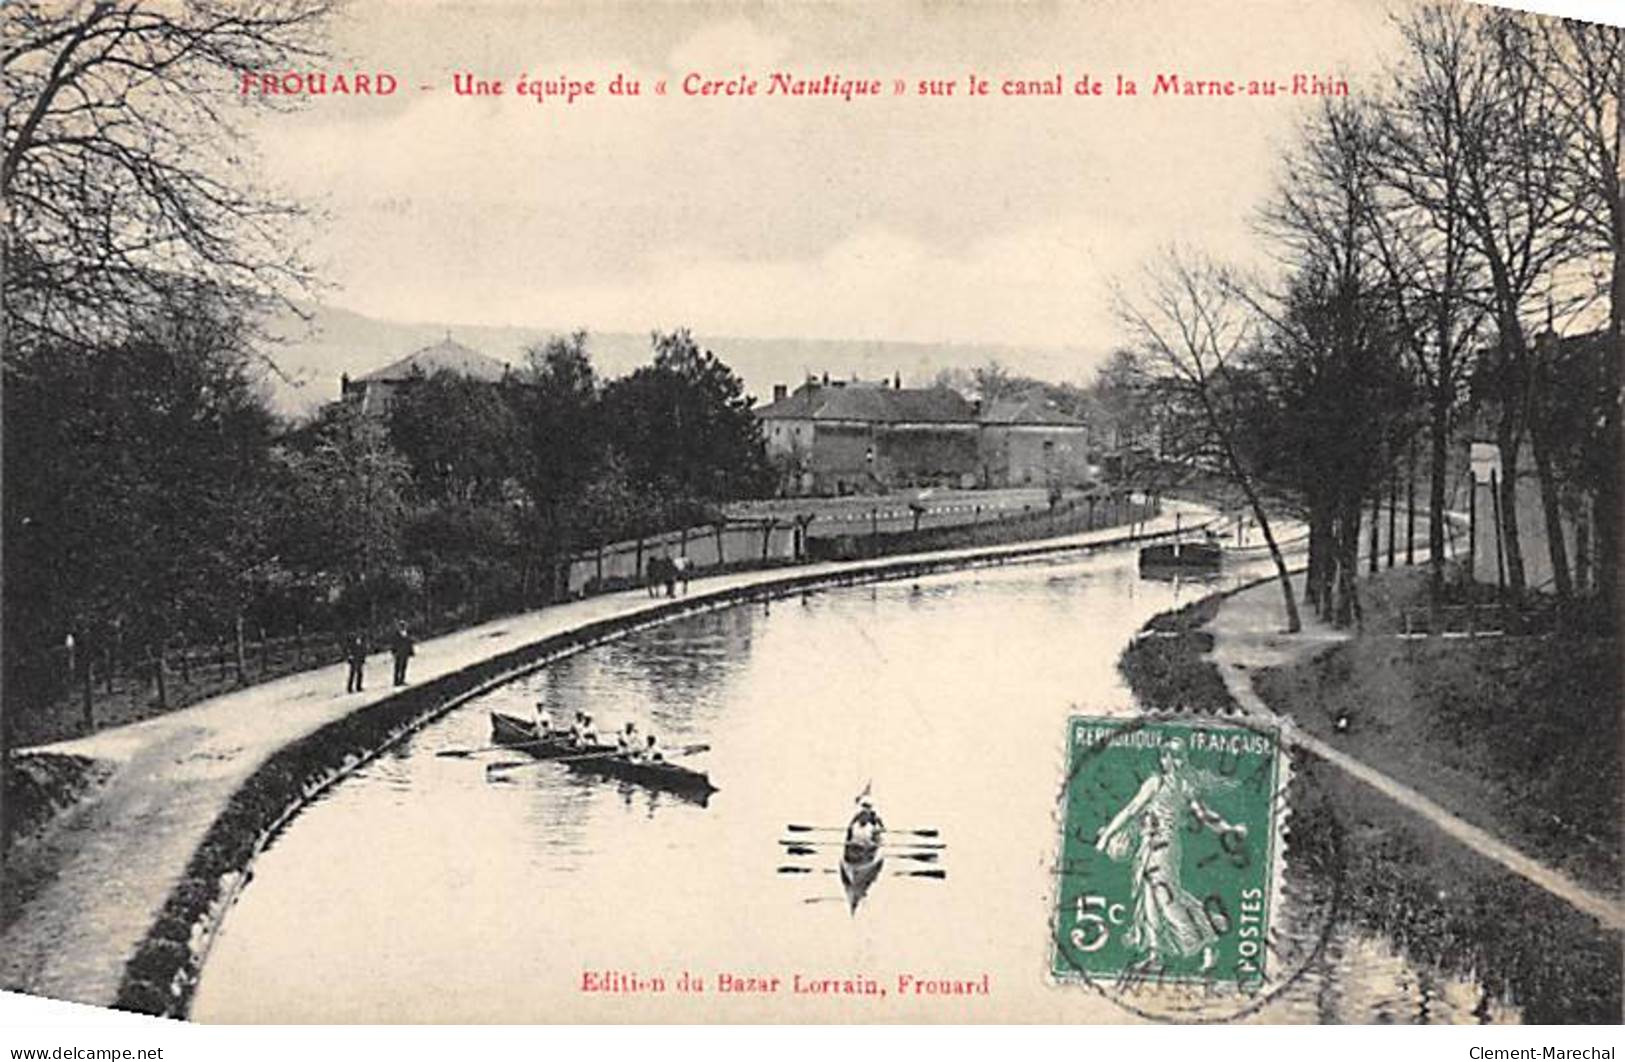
(311, 357)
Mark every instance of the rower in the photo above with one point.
(581, 734)
(544, 719)
(626, 742)
(650, 753)
(865, 828)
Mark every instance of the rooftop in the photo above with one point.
(933, 405)
(894, 405)
(447, 355)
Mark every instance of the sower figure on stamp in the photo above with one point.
(355, 651)
(1168, 922)
(400, 645)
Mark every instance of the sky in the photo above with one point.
(930, 219)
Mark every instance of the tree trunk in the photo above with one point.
(162, 687)
(1511, 545)
(242, 653)
(1393, 515)
(1318, 579)
(1349, 526)
(88, 701)
(1376, 524)
(1294, 623)
(1238, 471)
(1438, 461)
(1410, 506)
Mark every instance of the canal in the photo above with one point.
(419, 890)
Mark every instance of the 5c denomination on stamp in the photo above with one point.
(1168, 854)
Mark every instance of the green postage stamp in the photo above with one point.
(1167, 853)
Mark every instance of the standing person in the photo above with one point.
(401, 646)
(355, 651)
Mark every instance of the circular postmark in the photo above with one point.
(1175, 895)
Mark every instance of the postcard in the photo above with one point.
(740, 513)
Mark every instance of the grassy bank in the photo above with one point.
(41, 788)
(1441, 905)
(1167, 666)
(1518, 735)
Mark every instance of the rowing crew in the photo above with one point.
(583, 735)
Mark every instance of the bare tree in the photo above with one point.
(1470, 70)
(1330, 355)
(1192, 329)
(1416, 219)
(1583, 67)
(124, 171)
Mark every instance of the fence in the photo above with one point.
(754, 543)
(991, 528)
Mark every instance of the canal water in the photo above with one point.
(419, 890)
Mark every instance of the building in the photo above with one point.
(847, 437)
(1027, 442)
(376, 389)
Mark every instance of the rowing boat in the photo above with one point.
(860, 866)
(597, 759)
(861, 857)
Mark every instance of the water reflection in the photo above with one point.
(419, 891)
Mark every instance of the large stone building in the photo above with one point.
(845, 437)
(374, 391)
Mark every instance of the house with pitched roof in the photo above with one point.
(1025, 441)
(374, 391)
(855, 436)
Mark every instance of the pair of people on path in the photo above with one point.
(355, 653)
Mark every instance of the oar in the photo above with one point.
(920, 857)
(936, 873)
(465, 753)
(916, 845)
(508, 765)
(797, 828)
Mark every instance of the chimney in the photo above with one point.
(344, 384)
(897, 381)
(780, 392)
(826, 377)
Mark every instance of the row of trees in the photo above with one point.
(1432, 237)
(153, 498)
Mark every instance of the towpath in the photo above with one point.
(1248, 636)
(106, 869)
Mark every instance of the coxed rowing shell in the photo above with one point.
(596, 759)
